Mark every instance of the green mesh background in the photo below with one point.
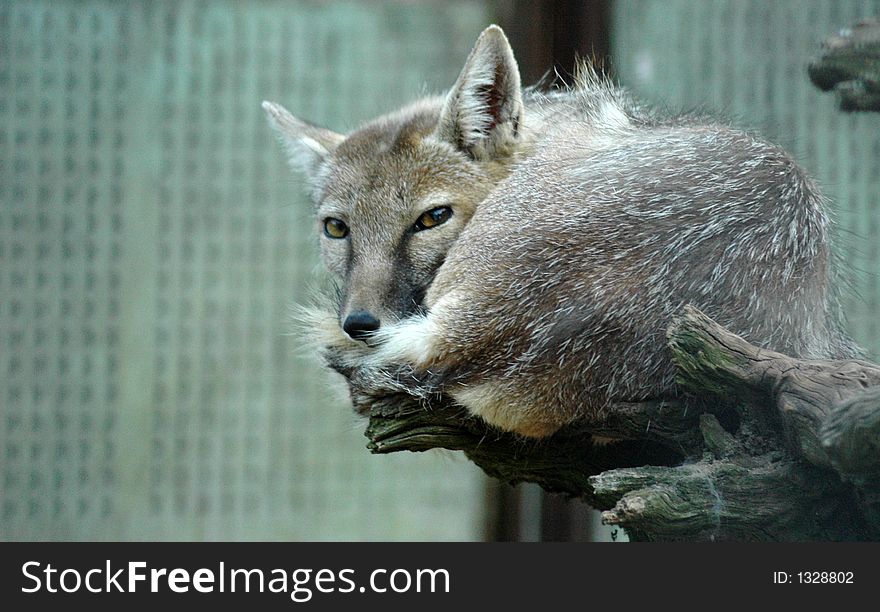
(151, 243)
(747, 59)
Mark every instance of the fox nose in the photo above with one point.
(359, 324)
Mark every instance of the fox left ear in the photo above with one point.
(307, 145)
(483, 110)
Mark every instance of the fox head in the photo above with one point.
(394, 195)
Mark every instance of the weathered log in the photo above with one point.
(728, 495)
(849, 64)
(562, 463)
(805, 393)
(800, 463)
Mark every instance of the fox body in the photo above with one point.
(525, 252)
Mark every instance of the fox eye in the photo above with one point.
(335, 228)
(433, 218)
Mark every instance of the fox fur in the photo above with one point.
(581, 224)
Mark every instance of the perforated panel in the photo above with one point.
(152, 242)
(61, 188)
(747, 59)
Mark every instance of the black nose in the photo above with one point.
(359, 324)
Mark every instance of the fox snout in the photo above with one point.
(378, 294)
(360, 324)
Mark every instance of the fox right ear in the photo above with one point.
(306, 145)
(483, 110)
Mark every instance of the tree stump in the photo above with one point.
(796, 459)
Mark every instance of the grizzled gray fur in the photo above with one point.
(525, 252)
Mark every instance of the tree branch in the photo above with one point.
(849, 64)
(562, 463)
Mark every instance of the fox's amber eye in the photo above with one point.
(334, 228)
(433, 218)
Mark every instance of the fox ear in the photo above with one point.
(483, 110)
(306, 145)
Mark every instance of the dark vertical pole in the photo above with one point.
(502, 516)
(566, 520)
(550, 36)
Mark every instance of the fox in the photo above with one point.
(523, 251)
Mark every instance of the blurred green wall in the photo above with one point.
(152, 242)
(747, 59)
